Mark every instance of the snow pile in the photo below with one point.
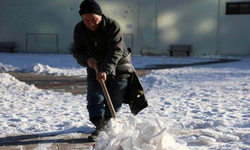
(66, 65)
(133, 134)
(46, 64)
(28, 110)
(48, 70)
(9, 85)
(7, 68)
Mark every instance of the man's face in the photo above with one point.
(92, 21)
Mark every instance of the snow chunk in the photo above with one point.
(211, 133)
(229, 137)
(207, 140)
(146, 146)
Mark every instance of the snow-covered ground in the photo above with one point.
(197, 107)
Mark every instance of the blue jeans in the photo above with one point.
(97, 106)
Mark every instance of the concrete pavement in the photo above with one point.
(73, 84)
(45, 142)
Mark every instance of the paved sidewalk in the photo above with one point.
(46, 142)
(73, 84)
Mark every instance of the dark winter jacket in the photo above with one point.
(106, 45)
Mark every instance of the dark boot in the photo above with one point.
(100, 124)
(93, 136)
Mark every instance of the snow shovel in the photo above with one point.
(106, 94)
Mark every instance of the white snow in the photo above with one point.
(195, 107)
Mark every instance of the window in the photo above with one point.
(238, 8)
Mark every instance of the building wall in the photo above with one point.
(47, 26)
(39, 25)
(126, 13)
(174, 22)
(234, 38)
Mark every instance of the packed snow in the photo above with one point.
(196, 107)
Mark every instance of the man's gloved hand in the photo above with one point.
(101, 75)
(92, 62)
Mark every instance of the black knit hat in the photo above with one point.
(90, 6)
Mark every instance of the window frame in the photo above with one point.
(238, 8)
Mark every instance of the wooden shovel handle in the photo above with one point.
(106, 94)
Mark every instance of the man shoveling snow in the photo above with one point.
(98, 41)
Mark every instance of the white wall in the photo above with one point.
(149, 26)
